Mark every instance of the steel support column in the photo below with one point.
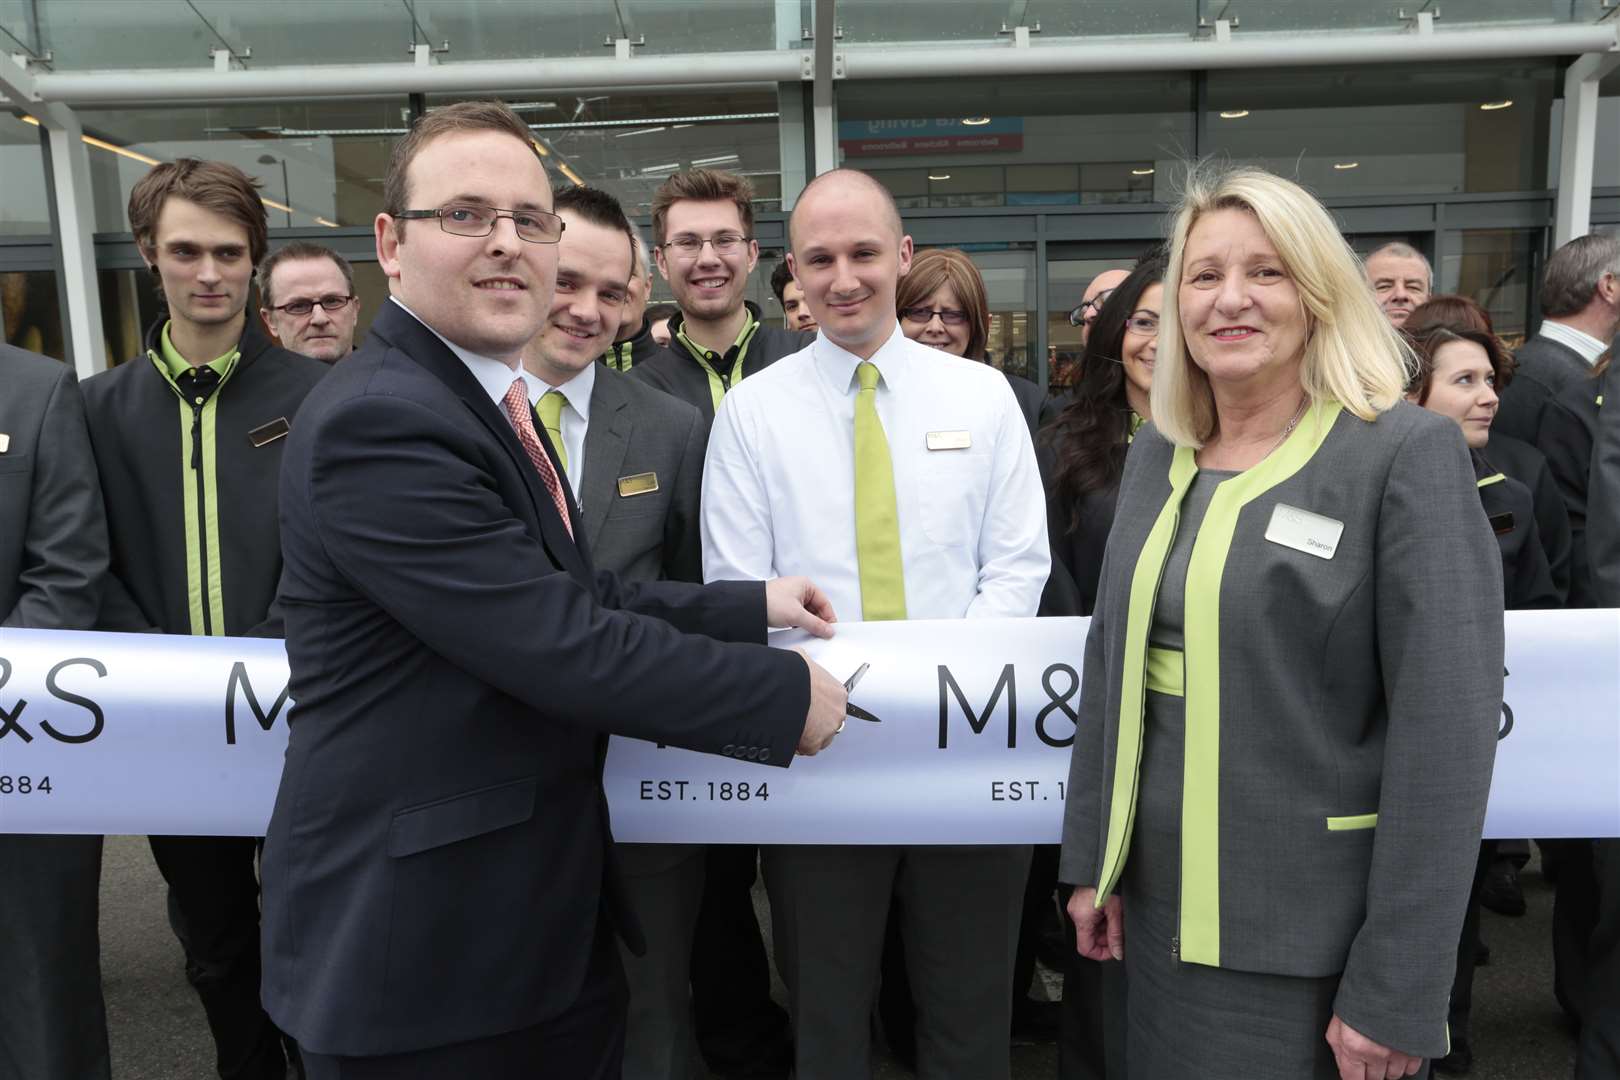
(1573, 216)
(74, 216)
(828, 64)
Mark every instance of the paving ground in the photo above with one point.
(158, 1031)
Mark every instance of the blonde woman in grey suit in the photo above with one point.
(1293, 673)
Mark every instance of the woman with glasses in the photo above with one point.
(942, 303)
(1109, 401)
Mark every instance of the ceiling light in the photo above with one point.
(1343, 165)
(572, 175)
(976, 121)
(328, 224)
(1492, 106)
(939, 176)
(667, 167)
(1143, 172)
(637, 131)
(723, 159)
(539, 148)
(1234, 114)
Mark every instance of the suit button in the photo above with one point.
(753, 753)
(765, 754)
(728, 750)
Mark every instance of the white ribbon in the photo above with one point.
(969, 741)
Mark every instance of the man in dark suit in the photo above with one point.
(634, 458)
(53, 557)
(440, 891)
(1580, 304)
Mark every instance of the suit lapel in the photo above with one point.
(401, 330)
(607, 438)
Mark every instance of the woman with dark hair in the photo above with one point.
(1459, 372)
(1519, 461)
(942, 303)
(1086, 444)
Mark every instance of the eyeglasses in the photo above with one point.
(457, 219)
(922, 314)
(688, 246)
(1145, 325)
(302, 307)
(1089, 309)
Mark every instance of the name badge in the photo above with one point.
(5, 442)
(1502, 523)
(640, 484)
(949, 440)
(265, 434)
(1304, 531)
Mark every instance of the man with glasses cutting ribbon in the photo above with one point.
(904, 479)
(441, 896)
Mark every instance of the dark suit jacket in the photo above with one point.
(1544, 368)
(53, 545)
(1526, 579)
(1038, 408)
(1568, 432)
(1524, 463)
(439, 854)
(635, 430)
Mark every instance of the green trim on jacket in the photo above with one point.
(709, 360)
(1199, 937)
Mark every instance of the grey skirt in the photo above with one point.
(1189, 1020)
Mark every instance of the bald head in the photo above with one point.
(842, 186)
(1097, 292)
(848, 254)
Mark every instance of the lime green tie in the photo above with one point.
(877, 521)
(550, 410)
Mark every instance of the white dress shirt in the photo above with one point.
(779, 481)
(576, 417)
(1588, 346)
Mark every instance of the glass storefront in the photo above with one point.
(25, 209)
(31, 312)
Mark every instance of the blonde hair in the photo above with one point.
(1353, 355)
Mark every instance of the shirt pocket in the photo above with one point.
(952, 489)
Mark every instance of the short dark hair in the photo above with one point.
(213, 185)
(779, 281)
(299, 249)
(462, 116)
(1574, 270)
(703, 185)
(599, 208)
(664, 310)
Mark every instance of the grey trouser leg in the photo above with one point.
(665, 886)
(53, 1024)
(960, 908)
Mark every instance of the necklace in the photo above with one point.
(1289, 430)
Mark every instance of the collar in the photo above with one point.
(677, 332)
(495, 376)
(176, 365)
(576, 391)
(838, 365)
(1588, 346)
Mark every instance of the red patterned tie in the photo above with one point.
(518, 411)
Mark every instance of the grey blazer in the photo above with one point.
(53, 546)
(643, 477)
(1341, 711)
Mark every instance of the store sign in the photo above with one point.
(877, 138)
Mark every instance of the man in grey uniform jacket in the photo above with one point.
(53, 557)
(634, 458)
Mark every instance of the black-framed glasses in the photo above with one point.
(688, 246)
(302, 306)
(948, 316)
(1089, 308)
(463, 219)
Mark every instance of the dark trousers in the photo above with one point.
(214, 910)
(1599, 1053)
(1092, 1043)
(1575, 915)
(585, 1043)
(737, 1023)
(53, 1024)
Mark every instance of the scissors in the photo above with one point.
(854, 710)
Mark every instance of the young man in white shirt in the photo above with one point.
(944, 519)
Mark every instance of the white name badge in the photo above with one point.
(949, 440)
(1304, 531)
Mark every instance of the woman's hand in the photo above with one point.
(1099, 935)
(1359, 1058)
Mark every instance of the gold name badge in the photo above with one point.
(5, 442)
(640, 484)
(949, 440)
